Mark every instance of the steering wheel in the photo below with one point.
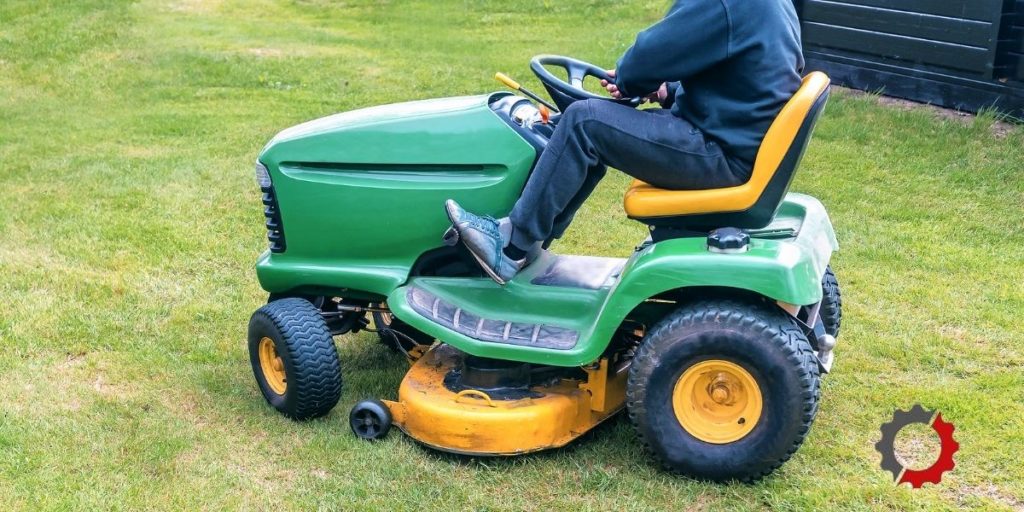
(565, 93)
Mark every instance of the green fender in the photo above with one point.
(786, 270)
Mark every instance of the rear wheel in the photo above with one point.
(723, 390)
(831, 303)
(294, 359)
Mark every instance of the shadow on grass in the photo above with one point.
(614, 436)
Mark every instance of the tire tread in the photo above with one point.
(831, 303)
(317, 377)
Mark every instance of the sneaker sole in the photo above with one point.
(487, 270)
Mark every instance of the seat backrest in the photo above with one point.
(784, 145)
(750, 205)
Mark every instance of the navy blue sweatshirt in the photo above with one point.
(731, 66)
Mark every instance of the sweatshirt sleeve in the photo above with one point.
(672, 88)
(692, 37)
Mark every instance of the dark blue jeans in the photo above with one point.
(651, 145)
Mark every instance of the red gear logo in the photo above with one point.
(886, 446)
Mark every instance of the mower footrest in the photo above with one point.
(489, 330)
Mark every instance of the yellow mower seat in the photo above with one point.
(750, 205)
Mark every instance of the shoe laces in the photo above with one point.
(484, 223)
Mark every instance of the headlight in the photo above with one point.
(525, 114)
(262, 175)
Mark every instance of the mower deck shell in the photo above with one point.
(472, 423)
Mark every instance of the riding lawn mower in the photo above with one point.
(713, 332)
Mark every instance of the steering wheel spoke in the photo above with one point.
(576, 76)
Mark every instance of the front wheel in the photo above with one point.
(723, 390)
(294, 359)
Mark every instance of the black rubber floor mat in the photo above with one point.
(587, 272)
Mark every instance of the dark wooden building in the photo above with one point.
(964, 54)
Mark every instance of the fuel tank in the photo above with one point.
(360, 195)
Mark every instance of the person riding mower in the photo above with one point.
(713, 332)
(722, 71)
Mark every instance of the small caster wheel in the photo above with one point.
(370, 420)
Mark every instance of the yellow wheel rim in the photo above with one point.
(272, 366)
(717, 401)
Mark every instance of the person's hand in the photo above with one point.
(612, 89)
(658, 96)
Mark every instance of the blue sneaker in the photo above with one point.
(482, 236)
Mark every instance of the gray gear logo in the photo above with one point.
(886, 446)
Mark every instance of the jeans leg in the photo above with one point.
(594, 176)
(559, 176)
(659, 148)
(653, 146)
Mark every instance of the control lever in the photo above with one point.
(512, 84)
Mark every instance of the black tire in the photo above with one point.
(391, 331)
(370, 420)
(831, 303)
(307, 354)
(337, 321)
(765, 343)
(317, 301)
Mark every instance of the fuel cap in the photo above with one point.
(728, 240)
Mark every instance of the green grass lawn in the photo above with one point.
(130, 221)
